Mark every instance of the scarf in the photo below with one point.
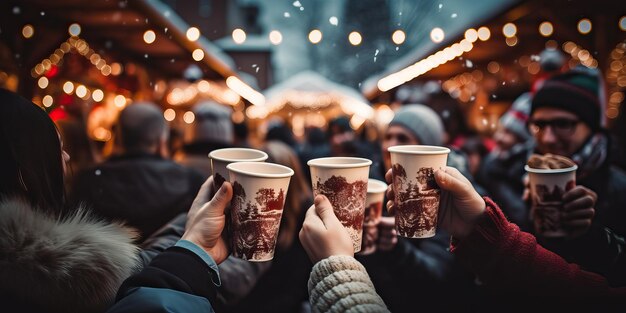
(592, 155)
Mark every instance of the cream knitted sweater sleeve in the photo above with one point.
(340, 284)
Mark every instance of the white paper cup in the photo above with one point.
(547, 187)
(373, 214)
(222, 157)
(259, 192)
(417, 195)
(343, 181)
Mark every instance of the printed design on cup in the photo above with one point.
(218, 180)
(547, 207)
(255, 223)
(373, 212)
(348, 201)
(417, 202)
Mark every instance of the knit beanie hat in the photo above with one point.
(424, 123)
(577, 91)
(212, 124)
(516, 117)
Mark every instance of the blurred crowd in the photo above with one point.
(72, 231)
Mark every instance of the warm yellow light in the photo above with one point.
(81, 91)
(276, 37)
(149, 36)
(509, 30)
(511, 41)
(193, 34)
(42, 82)
(315, 36)
(116, 69)
(197, 54)
(466, 45)
(204, 86)
(169, 115)
(68, 87)
(28, 31)
(493, 67)
(106, 70)
(584, 26)
(398, 37)
(74, 30)
(239, 36)
(484, 34)
(97, 95)
(245, 91)
(355, 38)
(437, 35)
(189, 117)
(471, 35)
(47, 101)
(120, 101)
(546, 29)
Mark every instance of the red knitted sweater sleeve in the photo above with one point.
(505, 257)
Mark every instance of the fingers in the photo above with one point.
(203, 194)
(584, 214)
(389, 177)
(456, 174)
(391, 207)
(584, 202)
(312, 219)
(447, 181)
(579, 192)
(220, 201)
(577, 223)
(324, 210)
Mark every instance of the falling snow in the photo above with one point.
(98, 172)
(493, 96)
(376, 53)
(166, 30)
(286, 15)
(535, 58)
(472, 98)
(454, 15)
(145, 55)
(440, 6)
(333, 20)
(297, 4)
(42, 13)
(301, 8)
(397, 48)
(469, 64)
(16, 10)
(503, 83)
(374, 59)
(166, 13)
(172, 61)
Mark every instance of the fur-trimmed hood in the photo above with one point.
(75, 264)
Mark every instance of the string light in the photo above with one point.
(315, 36)
(239, 36)
(97, 95)
(584, 26)
(197, 54)
(189, 117)
(28, 31)
(74, 30)
(471, 35)
(355, 38)
(149, 36)
(437, 35)
(169, 115)
(275, 37)
(68, 87)
(484, 33)
(42, 82)
(193, 34)
(546, 29)
(398, 37)
(509, 30)
(47, 101)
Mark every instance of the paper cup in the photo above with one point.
(259, 192)
(343, 181)
(417, 195)
(547, 187)
(373, 213)
(222, 157)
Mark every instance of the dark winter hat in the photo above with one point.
(577, 91)
(212, 124)
(422, 122)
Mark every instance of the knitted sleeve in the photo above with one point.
(340, 284)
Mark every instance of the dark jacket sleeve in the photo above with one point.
(507, 259)
(177, 280)
(163, 238)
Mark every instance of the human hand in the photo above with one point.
(460, 204)
(206, 220)
(387, 234)
(526, 193)
(578, 211)
(322, 234)
(369, 239)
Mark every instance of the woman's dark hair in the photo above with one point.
(31, 165)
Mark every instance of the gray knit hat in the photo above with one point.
(212, 124)
(516, 117)
(424, 123)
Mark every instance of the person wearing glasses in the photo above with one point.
(566, 119)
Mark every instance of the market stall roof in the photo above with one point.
(116, 28)
(527, 17)
(310, 90)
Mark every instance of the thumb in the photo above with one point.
(324, 210)
(220, 201)
(448, 182)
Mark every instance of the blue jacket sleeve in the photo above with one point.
(181, 279)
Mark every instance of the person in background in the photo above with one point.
(315, 146)
(566, 119)
(241, 132)
(212, 129)
(140, 186)
(502, 171)
(282, 288)
(53, 257)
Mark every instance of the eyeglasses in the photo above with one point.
(562, 127)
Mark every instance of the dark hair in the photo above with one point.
(30, 159)
(141, 126)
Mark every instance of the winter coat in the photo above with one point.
(70, 264)
(144, 191)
